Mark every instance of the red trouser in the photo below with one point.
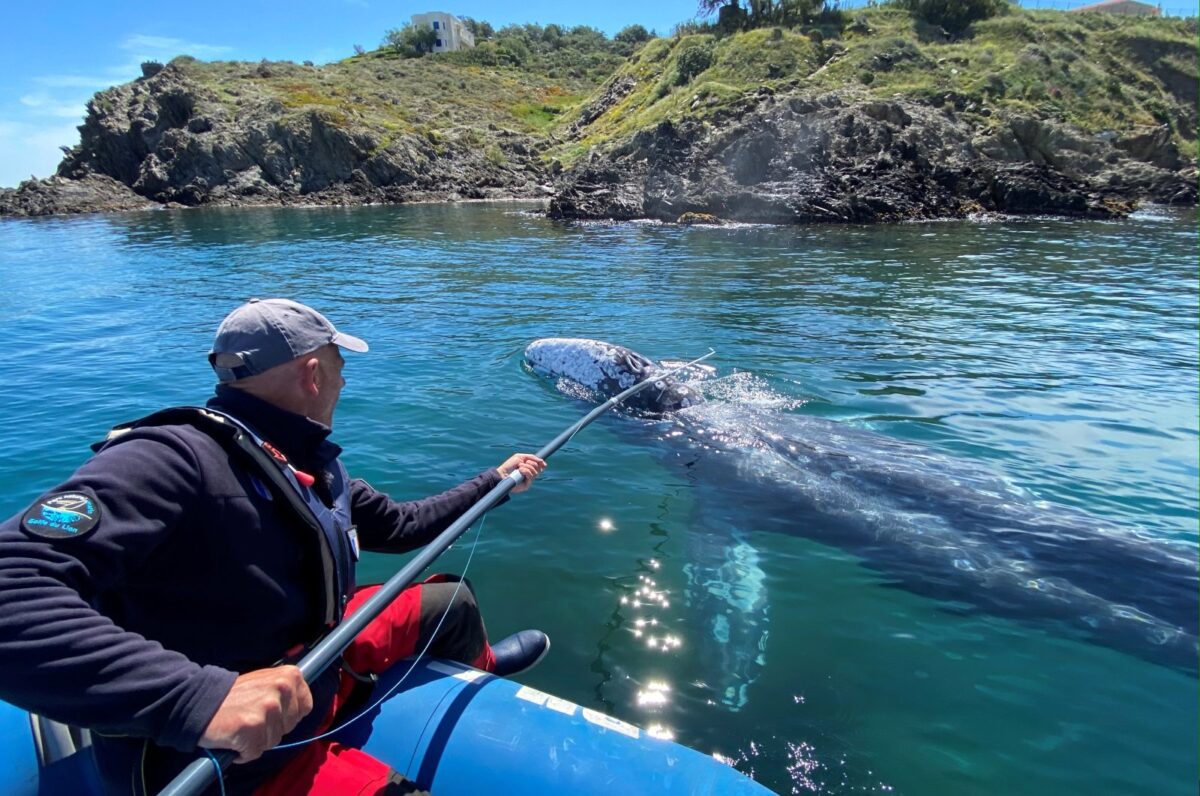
(327, 768)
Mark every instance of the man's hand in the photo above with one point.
(529, 465)
(261, 708)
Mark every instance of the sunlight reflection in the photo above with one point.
(661, 732)
(654, 695)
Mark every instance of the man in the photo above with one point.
(159, 595)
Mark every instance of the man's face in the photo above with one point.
(331, 382)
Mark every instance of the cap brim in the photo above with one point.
(350, 342)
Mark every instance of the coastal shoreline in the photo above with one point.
(761, 126)
(539, 206)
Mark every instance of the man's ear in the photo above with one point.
(310, 376)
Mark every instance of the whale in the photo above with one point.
(949, 529)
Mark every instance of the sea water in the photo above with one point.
(1062, 355)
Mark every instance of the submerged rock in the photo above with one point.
(698, 218)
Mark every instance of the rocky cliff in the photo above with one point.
(882, 119)
(175, 138)
(841, 157)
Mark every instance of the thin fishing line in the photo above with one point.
(417, 660)
(220, 774)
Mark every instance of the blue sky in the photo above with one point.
(54, 55)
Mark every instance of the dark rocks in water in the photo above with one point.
(56, 195)
(698, 218)
(839, 158)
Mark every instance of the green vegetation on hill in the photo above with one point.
(1096, 71)
(387, 94)
(580, 52)
(521, 78)
(954, 16)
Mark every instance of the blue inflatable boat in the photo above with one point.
(454, 730)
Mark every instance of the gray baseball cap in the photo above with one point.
(263, 333)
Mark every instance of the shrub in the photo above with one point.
(866, 78)
(633, 35)
(411, 41)
(575, 51)
(482, 31)
(693, 60)
(953, 15)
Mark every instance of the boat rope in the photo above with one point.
(220, 775)
(416, 660)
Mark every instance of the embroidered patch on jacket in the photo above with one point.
(66, 515)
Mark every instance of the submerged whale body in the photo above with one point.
(934, 525)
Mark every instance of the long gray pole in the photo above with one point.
(199, 773)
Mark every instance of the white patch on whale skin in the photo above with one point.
(607, 369)
(588, 362)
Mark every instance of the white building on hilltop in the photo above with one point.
(452, 34)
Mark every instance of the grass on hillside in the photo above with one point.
(1096, 71)
(388, 94)
(738, 64)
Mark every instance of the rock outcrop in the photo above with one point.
(611, 93)
(59, 195)
(844, 159)
(167, 138)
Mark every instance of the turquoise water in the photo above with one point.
(1059, 355)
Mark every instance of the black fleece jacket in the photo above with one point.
(139, 625)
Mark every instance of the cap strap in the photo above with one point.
(237, 371)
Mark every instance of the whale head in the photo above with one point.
(606, 370)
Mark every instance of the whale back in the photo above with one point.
(605, 370)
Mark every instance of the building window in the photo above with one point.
(438, 42)
(435, 25)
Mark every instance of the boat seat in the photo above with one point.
(55, 741)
